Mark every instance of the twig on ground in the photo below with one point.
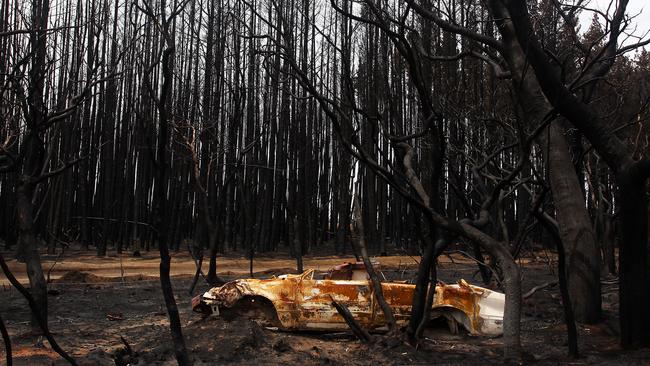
(537, 288)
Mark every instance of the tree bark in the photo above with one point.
(360, 242)
(297, 245)
(35, 310)
(633, 259)
(572, 216)
(28, 249)
(569, 315)
(583, 259)
(418, 307)
(160, 200)
(631, 171)
(7, 341)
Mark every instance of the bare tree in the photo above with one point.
(167, 44)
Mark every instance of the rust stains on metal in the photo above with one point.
(301, 302)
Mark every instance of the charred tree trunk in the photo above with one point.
(419, 308)
(34, 151)
(160, 200)
(583, 259)
(633, 259)
(28, 248)
(36, 311)
(569, 318)
(7, 341)
(354, 325)
(297, 245)
(360, 243)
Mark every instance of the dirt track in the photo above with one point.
(182, 264)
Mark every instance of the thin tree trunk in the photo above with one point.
(160, 195)
(297, 245)
(35, 310)
(354, 325)
(7, 341)
(360, 243)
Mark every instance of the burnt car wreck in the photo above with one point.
(300, 302)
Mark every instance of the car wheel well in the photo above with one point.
(254, 307)
(454, 317)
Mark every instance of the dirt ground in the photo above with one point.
(94, 302)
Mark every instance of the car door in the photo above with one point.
(314, 299)
(399, 297)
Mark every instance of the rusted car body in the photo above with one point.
(300, 302)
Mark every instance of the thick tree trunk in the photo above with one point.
(512, 288)
(418, 309)
(573, 219)
(583, 259)
(631, 171)
(569, 315)
(212, 276)
(512, 311)
(431, 294)
(633, 258)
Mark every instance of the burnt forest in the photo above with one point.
(324, 182)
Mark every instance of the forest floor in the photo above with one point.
(95, 301)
